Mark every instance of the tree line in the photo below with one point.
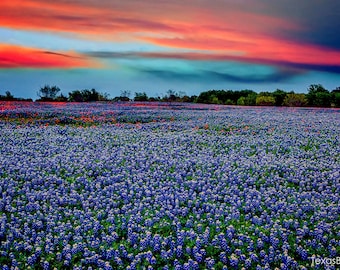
(9, 97)
(316, 96)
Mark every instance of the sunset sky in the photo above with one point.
(152, 46)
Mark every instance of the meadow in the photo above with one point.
(168, 186)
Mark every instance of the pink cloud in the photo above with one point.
(22, 57)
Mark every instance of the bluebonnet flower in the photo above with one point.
(186, 266)
(250, 246)
(254, 258)
(284, 266)
(118, 184)
(143, 244)
(223, 257)
(238, 252)
(179, 251)
(164, 254)
(233, 260)
(180, 240)
(149, 255)
(198, 257)
(118, 260)
(153, 260)
(45, 265)
(259, 244)
(225, 246)
(107, 266)
(247, 263)
(210, 263)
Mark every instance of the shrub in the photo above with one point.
(265, 101)
(295, 100)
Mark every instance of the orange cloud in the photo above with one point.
(21, 57)
(226, 28)
(96, 21)
(113, 18)
(257, 47)
(50, 16)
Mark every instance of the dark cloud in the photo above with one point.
(277, 76)
(318, 20)
(171, 74)
(213, 76)
(107, 54)
(294, 68)
(59, 54)
(315, 67)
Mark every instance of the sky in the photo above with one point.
(152, 46)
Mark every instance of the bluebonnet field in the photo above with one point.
(168, 186)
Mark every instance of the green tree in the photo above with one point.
(229, 102)
(250, 99)
(295, 100)
(61, 98)
(335, 97)
(265, 99)
(214, 100)
(86, 95)
(185, 98)
(9, 96)
(75, 96)
(193, 98)
(140, 96)
(323, 99)
(204, 97)
(241, 101)
(279, 96)
(171, 95)
(103, 96)
(318, 96)
(48, 93)
(125, 95)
